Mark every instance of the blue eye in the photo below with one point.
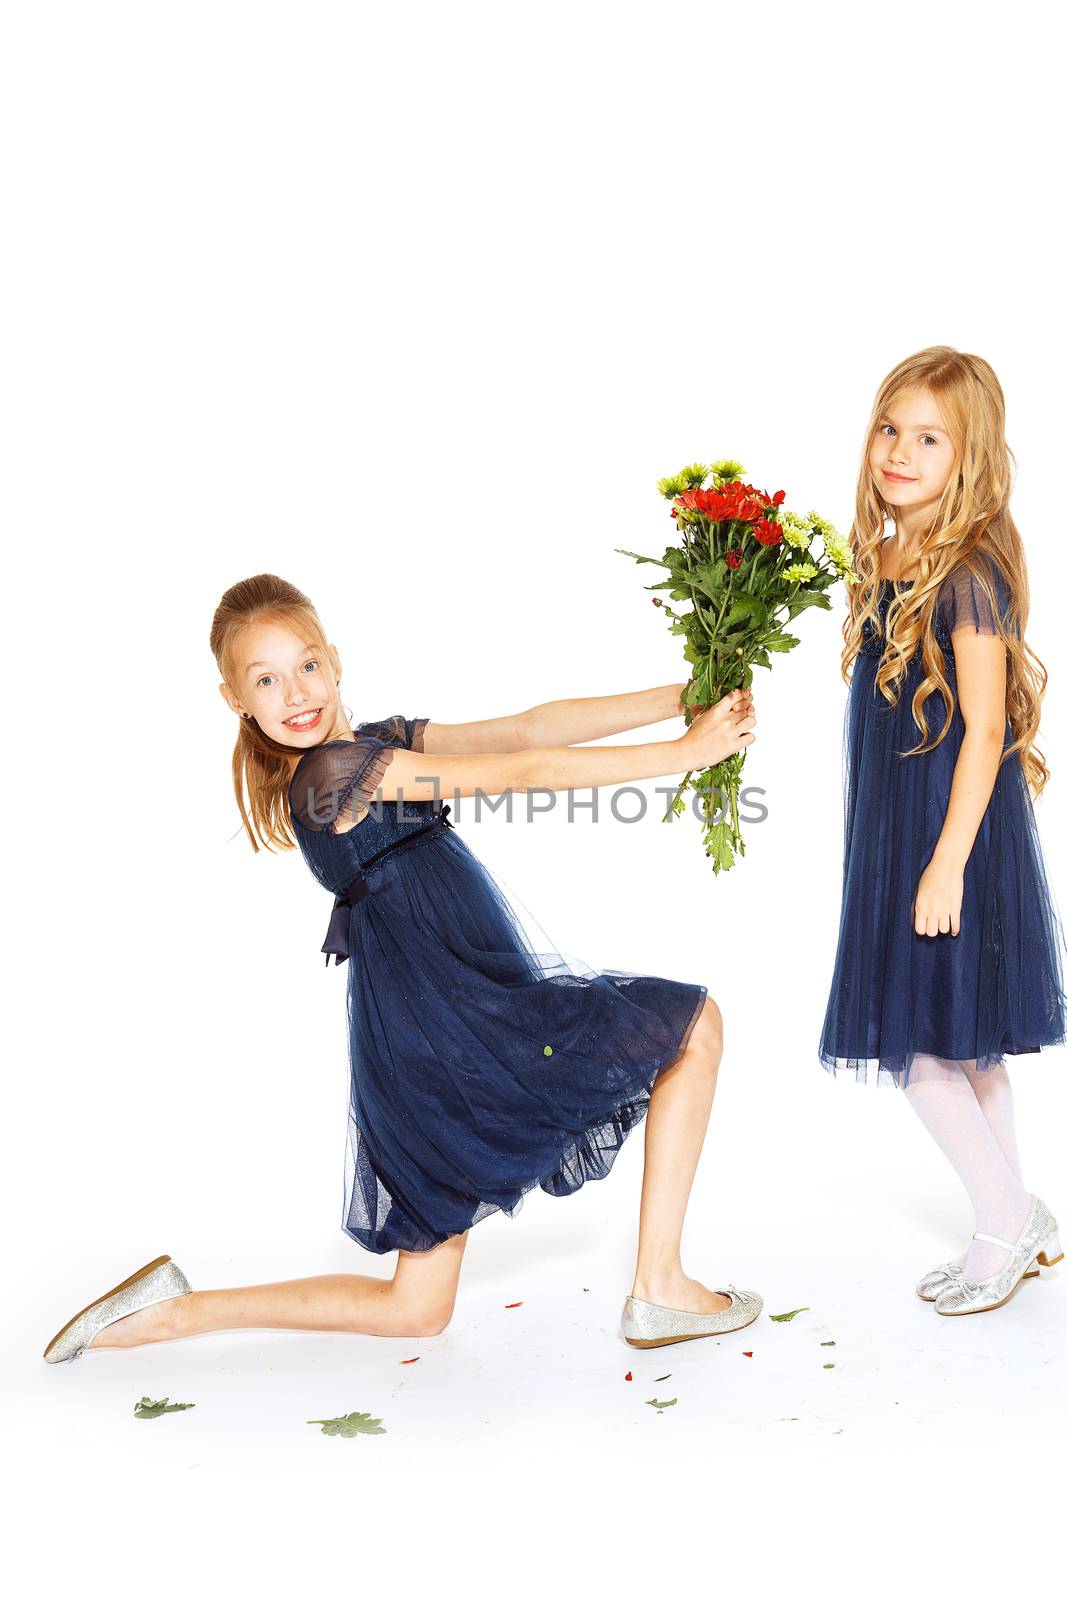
(930, 437)
(267, 676)
(888, 427)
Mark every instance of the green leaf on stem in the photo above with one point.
(743, 604)
(656, 562)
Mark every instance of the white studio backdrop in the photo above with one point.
(412, 306)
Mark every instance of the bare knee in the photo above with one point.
(424, 1288)
(438, 1324)
(707, 1034)
(424, 1321)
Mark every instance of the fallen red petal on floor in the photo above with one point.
(513, 1304)
(629, 1377)
(409, 1360)
(746, 1352)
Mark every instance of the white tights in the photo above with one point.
(971, 1115)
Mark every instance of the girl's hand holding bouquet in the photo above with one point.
(719, 731)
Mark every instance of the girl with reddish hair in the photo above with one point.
(479, 1066)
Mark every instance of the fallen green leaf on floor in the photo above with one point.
(827, 1365)
(348, 1427)
(661, 1380)
(787, 1316)
(661, 1405)
(827, 1342)
(548, 1049)
(156, 1408)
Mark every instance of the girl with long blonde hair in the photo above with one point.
(480, 1067)
(950, 945)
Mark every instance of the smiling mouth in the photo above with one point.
(303, 719)
(897, 477)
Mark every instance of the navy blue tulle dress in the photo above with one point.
(480, 1066)
(994, 988)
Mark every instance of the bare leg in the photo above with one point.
(416, 1302)
(675, 1125)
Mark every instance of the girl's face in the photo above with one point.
(911, 455)
(290, 687)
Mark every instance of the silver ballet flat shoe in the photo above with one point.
(645, 1325)
(1037, 1245)
(161, 1279)
(939, 1278)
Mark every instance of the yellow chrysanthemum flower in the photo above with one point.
(795, 530)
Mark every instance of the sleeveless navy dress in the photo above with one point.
(479, 1065)
(994, 988)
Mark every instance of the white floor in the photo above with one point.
(517, 1435)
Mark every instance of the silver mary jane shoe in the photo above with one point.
(645, 1325)
(1037, 1244)
(939, 1278)
(161, 1279)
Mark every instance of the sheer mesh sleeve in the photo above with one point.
(332, 787)
(406, 732)
(963, 601)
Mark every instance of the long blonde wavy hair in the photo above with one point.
(972, 518)
(260, 765)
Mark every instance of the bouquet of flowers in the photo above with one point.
(748, 569)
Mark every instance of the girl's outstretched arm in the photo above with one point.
(413, 776)
(594, 716)
(555, 722)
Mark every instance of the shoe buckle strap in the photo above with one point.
(991, 1238)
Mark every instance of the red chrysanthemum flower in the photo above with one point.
(734, 502)
(733, 558)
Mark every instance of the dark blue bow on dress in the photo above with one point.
(336, 944)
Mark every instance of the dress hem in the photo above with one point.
(583, 1151)
(860, 1069)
